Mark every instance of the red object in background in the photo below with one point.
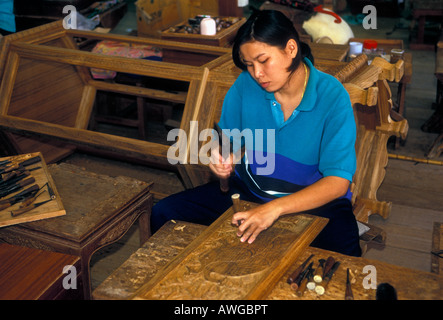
(370, 44)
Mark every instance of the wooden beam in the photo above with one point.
(95, 60)
(179, 97)
(139, 149)
(164, 44)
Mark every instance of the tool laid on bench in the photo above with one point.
(22, 210)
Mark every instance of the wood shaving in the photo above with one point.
(177, 228)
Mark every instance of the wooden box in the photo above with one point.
(154, 16)
(223, 38)
(48, 92)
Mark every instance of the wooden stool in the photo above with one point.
(32, 274)
(99, 211)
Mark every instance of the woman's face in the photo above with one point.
(268, 65)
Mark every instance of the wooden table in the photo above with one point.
(420, 14)
(172, 238)
(32, 274)
(99, 211)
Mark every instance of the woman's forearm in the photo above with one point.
(320, 193)
(262, 217)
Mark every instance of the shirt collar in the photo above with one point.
(310, 95)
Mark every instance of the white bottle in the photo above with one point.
(208, 27)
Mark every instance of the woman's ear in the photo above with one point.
(292, 48)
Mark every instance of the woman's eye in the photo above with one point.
(263, 61)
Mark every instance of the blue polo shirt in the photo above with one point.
(283, 157)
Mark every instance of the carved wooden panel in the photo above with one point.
(216, 265)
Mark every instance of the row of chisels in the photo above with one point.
(17, 185)
(315, 277)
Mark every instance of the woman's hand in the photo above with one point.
(221, 167)
(254, 221)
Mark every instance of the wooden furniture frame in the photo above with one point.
(99, 211)
(47, 89)
(387, 45)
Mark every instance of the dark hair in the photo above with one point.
(273, 28)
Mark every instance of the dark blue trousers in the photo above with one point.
(204, 204)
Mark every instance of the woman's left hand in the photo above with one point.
(254, 221)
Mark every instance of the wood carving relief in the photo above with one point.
(218, 266)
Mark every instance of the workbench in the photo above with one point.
(175, 236)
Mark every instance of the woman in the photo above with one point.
(312, 145)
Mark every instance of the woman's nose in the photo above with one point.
(258, 72)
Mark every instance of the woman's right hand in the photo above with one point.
(222, 168)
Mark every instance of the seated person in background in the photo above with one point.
(308, 138)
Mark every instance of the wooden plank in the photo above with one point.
(8, 81)
(42, 177)
(164, 44)
(437, 248)
(179, 97)
(97, 60)
(46, 91)
(225, 268)
(143, 150)
(85, 107)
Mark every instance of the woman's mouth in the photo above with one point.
(264, 84)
